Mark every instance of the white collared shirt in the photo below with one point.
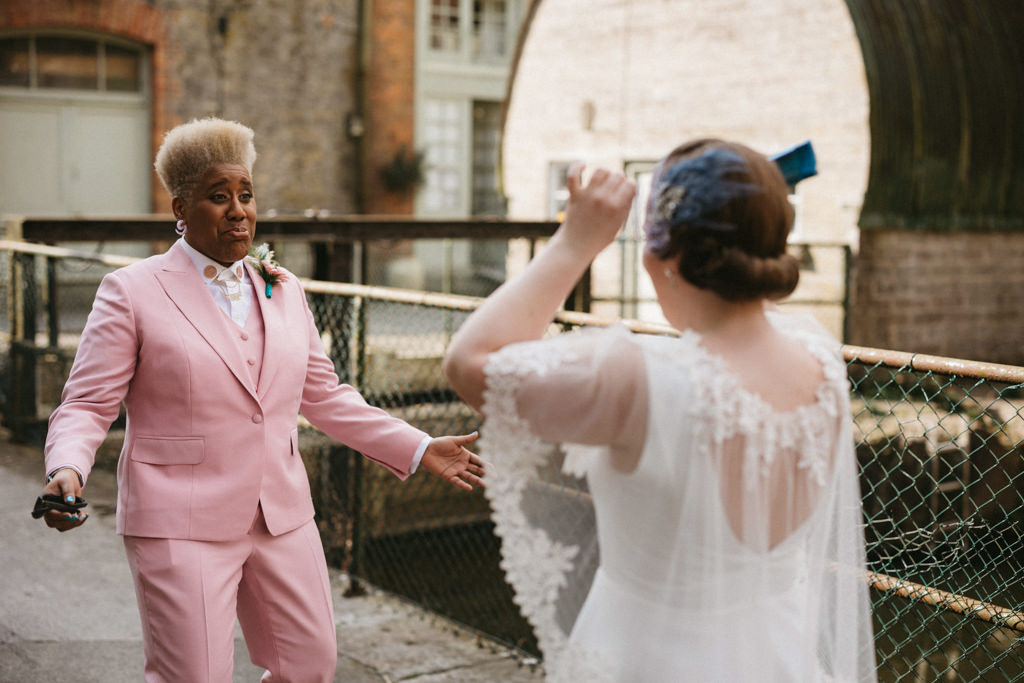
(209, 270)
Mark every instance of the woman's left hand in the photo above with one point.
(448, 458)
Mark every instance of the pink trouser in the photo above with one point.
(189, 593)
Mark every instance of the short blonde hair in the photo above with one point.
(190, 149)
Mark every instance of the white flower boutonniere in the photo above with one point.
(262, 259)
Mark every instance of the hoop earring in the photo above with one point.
(180, 227)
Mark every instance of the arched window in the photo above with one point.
(74, 124)
(69, 62)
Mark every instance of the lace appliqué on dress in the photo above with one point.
(535, 565)
(722, 409)
(578, 458)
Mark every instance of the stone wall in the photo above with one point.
(284, 67)
(941, 293)
(609, 82)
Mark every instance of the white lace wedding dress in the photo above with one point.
(732, 552)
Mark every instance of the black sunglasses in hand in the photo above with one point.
(52, 501)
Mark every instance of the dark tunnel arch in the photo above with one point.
(946, 87)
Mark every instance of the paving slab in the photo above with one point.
(67, 606)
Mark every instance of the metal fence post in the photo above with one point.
(52, 300)
(847, 283)
(23, 394)
(357, 331)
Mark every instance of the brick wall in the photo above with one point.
(285, 68)
(390, 93)
(138, 21)
(948, 294)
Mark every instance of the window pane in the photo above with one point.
(444, 25)
(489, 28)
(67, 63)
(122, 69)
(486, 135)
(14, 62)
(558, 189)
(443, 143)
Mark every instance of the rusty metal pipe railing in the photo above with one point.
(952, 602)
(870, 356)
(62, 252)
(996, 372)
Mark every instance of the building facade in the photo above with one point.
(336, 91)
(435, 85)
(388, 107)
(284, 68)
(619, 83)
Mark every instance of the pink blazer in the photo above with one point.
(203, 445)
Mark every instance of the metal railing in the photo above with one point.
(940, 445)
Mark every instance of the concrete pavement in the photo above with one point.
(67, 606)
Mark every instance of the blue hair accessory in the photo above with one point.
(796, 163)
(693, 188)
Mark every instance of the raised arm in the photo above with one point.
(521, 309)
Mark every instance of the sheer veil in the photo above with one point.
(733, 551)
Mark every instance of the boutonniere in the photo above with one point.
(262, 259)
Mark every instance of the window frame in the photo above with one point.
(101, 41)
(465, 51)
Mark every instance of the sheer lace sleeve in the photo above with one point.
(572, 388)
(583, 388)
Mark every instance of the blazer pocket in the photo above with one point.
(293, 438)
(169, 450)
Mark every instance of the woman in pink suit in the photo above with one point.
(214, 358)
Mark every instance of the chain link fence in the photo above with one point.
(940, 452)
(940, 449)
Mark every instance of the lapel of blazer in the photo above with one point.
(184, 286)
(274, 327)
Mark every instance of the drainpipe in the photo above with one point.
(355, 123)
(356, 128)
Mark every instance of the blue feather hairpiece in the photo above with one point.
(796, 163)
(688, 191)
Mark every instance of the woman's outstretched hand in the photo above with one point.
(448, 458)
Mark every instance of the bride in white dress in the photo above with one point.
(719, 460)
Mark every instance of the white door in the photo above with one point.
(63, 157)
(74, 125)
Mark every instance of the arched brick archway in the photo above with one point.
(941, 216)
(945, 81)
(941, 263)
(130, 19)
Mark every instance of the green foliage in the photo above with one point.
(404, 172)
